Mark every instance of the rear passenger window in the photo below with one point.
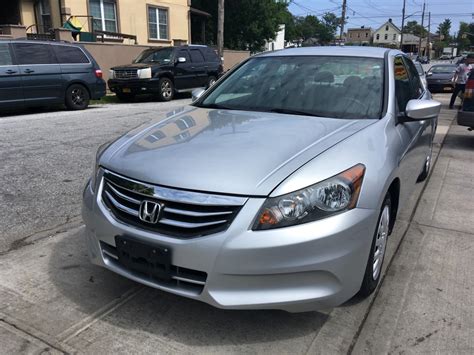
(33, 53)
(403, 90)
(183, 53)
(211, 56)
(70, 55)
(5, 56)
(196, 56)
(416, 85)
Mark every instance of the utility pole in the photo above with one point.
(343, 18)
(403, 24)
(422, 28)
(220, 28)
(428, 43)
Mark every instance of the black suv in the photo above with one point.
(164, 71)
(35, 73)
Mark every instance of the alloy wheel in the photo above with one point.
(166, 89)
(381, 242)
(77, 96)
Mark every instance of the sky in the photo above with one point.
(374, 13)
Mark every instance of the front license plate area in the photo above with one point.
(152, 260)
(126, 90)
(447, 88)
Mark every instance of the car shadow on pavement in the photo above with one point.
(160, 316)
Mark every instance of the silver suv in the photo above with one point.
(277, 188)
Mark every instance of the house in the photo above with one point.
(387, 35)
(360, 36)
(278, 42)
(148, 22)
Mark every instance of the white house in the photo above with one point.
(278, 42)
(387, 34)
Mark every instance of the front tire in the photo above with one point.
(373, 269)
(77, 97)
(166, 87)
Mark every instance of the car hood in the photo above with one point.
(137, 66)
(233, 152)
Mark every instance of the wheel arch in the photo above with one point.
(394, 191)
(80, 82)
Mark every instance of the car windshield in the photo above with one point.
(328, 86)
(153, 55)
(419, 68)
(443, 69)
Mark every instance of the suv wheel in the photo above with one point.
(373, 269)
(166, 92)
(77, 97)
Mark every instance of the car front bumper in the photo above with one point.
(311, 266)
(436, 86)
(133, 86)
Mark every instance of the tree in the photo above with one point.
(444, 28)
(248, 23)
(312, 30)
(465, 36)
(415, 28)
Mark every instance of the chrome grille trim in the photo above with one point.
(173, 195)
(191, 214)
(126, 73)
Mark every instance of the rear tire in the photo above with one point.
(166, 88)
(77, 97)
(373, 269)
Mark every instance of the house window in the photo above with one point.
(394, 37)
(358, 35)
(386, 36)
(43, 13)
(350, 35)
(104, 13)
(378, 36)
(366, 34)
(386, 28)
(157, 23)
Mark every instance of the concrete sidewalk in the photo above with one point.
(426, 301)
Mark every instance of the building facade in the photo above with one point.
(359, 36)
(387, 35)
(153, 22)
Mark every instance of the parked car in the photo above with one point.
(440, 77)
(165, 71)
(277, 188)
(466, 114)
(36, 73)
(445, 57)
(423, 60)
(421, 73)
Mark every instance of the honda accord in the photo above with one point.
(277, 188)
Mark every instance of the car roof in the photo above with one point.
(25, 40)
(343, 51)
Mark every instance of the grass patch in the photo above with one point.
(109, 99)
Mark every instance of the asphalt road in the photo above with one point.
(52, 299)
(47, 157)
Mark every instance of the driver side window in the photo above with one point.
(402, 84)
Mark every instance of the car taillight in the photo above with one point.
(98, 73)
(469, 93)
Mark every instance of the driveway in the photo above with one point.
(53, 299)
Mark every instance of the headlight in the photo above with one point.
(95, 167)
(144, 73)
(334, 195)
(111, 74)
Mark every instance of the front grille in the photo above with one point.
(126, 73)
(182, 279)
(183, 214)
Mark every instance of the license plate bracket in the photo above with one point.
(149, 259)
(126, 90)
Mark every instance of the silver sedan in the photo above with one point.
(277, 188)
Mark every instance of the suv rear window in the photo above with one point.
(33, 53)
(70, 55)
(210, 55)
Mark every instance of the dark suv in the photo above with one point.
(35, 73)
(164, 71)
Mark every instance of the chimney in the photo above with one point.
(390, 20)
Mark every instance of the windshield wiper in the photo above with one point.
(292, 112)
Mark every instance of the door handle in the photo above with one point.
(28, 71)
(9, 71)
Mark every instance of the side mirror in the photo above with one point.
(429, 73)
(419, 110)
(196, 94)
(181, 60)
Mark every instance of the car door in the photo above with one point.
(184, 76)
(199, 67)
(11, 93)
(40, 72)
(412, 134)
